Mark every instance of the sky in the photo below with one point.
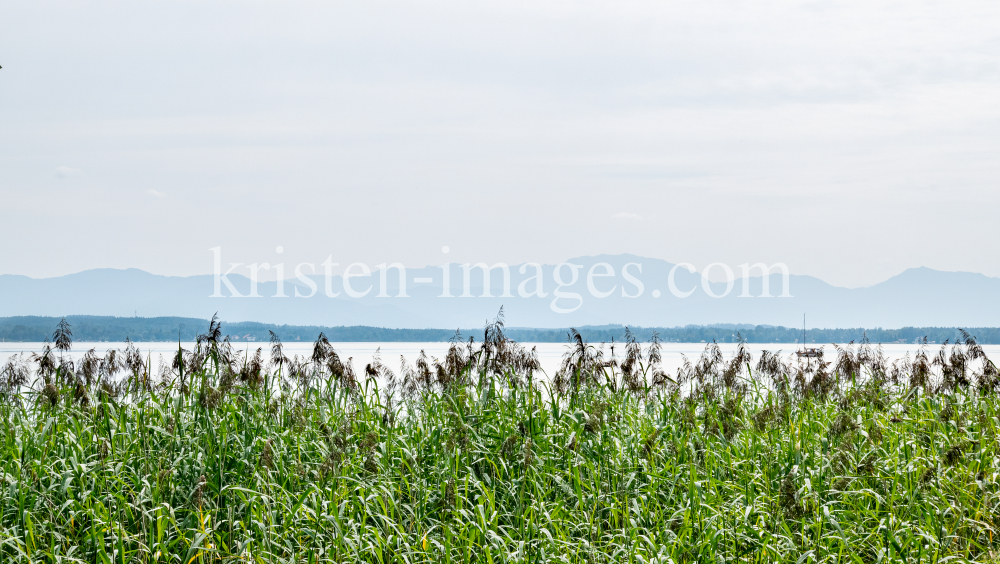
(849, 140)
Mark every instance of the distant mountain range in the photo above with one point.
(916, 297)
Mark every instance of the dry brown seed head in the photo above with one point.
(267, 455)
(528, 451)
(51, 394)
(199, 491)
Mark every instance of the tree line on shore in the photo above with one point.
(150, 329)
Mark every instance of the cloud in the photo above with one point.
(783, 114)
(67, 172)
(154, 193)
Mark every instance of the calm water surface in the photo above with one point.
(549, 354)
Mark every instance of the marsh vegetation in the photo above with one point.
(478, 457)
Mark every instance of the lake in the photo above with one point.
(550, 354)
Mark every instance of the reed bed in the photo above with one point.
(478, 457)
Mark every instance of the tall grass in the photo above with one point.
(478, 457)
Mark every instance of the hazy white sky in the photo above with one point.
(850, 140)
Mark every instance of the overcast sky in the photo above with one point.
(850, 140)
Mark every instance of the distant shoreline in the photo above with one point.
(171, 329)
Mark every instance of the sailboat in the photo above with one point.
(804, 352)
